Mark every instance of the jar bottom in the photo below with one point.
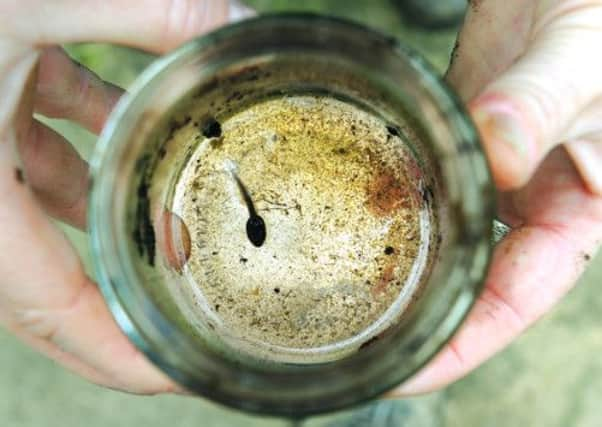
(344, 215)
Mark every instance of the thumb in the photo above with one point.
(534, 104)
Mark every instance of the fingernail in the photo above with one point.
(238, 11)
(509, 143)
(500, 124)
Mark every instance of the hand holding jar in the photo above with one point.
(45, 297)
(531, 76)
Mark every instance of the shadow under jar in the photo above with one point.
(290, 215)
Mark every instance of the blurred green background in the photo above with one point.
(550, 377)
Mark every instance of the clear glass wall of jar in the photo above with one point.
(275, 55)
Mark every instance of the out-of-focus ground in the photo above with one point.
(550, 377)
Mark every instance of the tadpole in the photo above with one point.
(256, 231)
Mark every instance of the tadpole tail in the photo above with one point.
(256, 231)
(246, 196)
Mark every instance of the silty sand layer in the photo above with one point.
(338, 192)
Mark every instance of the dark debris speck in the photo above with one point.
(211, 128)
(19, 175)
(393, 131)
(368, 343)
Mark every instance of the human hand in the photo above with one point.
(532, 75)
(45, 297)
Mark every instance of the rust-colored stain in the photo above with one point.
(384, 280)
(385, 195)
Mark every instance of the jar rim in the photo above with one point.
(111, 265)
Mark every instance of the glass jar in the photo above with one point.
(140, 248)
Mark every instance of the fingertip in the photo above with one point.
(509, 143)
(402, 391)
(446, 367)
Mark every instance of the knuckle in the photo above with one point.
(541, 101)
(546, 112)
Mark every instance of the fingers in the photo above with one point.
(47, 300)
(69, 90)
(485, 47)
(56, 173)
(154, 25)
(54, 170)
(532, 106)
